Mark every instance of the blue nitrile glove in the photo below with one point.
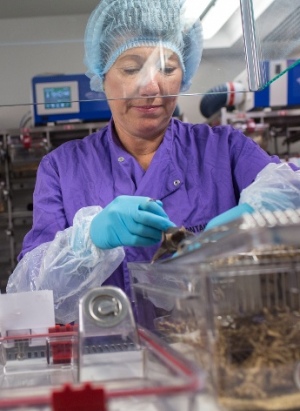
(229, 215)
(129, 221)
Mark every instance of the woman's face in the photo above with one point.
(136, 86)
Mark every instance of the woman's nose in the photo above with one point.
(149, 84)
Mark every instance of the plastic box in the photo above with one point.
(231, 302)
(107, 364)
(24, 155)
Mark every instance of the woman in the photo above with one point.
(92, 209)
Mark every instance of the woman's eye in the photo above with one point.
(131, 71)
(168, 70)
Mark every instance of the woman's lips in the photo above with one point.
(147, 109)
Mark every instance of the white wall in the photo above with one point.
(29, 47)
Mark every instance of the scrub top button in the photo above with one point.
(121, 159)
(176, 182)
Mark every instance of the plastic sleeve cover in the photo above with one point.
(69, 265)
(276, 187)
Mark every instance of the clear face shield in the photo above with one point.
(144, 72)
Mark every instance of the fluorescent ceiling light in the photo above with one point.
(221, 12)
(260, 6)
(192, 10)
(217, 16)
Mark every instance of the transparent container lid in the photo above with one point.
(258, 231)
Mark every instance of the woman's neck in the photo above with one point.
(141, 148)
(143, 151)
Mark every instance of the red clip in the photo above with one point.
(250, 125)
(79, 399)
(63, 328)
(26, 139)
(62, 351)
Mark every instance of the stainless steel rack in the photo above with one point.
(282, 125)
(20, 153)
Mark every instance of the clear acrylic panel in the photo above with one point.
(42, 53)
(37, 41)
(272, 39)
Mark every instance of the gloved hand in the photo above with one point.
(129, 221)
(229, 215)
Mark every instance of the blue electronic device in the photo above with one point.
(285, 91)
(67, 97)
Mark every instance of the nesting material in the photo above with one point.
(257, 360)
(257, 346)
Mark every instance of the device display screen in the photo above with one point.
(57, 97)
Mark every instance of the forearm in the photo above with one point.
(68, 265)
(276, 187)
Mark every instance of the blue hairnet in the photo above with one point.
(118, 25)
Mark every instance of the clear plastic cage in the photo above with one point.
(231, 302)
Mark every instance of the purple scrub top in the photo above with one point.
(197, 172)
